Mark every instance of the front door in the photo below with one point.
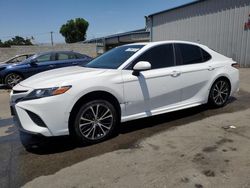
(41, 63)
(154, 90)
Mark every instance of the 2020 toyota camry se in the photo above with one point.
(126, 83)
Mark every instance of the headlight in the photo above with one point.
(47, 92)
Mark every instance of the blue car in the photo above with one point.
(11, 74)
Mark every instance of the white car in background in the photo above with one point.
(127, 83)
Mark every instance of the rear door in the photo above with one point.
(65, 59)
(196, 71)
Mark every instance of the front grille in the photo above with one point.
(36, 119)
(19, 91)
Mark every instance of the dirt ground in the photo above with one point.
(198, 147)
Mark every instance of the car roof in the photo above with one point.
(24, 54)
(48, 52)
(165, 42)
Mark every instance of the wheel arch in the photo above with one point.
(11, 72)
(93, 95)
(4, 77)
(222, 76)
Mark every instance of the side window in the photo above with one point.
(62, 56)
(188, 54)
(159, 57)
(81, 56)
(206, 56)
(72, 56)
(43, 58)
(65, 56)
(18, 59)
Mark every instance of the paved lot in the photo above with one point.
(190, 148)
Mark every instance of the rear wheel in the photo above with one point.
(219, 93)
(12, 79)
(95, 121)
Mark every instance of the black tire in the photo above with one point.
(103, 126)
(219, 93)
(12, 79)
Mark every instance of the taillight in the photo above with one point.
(236, 65)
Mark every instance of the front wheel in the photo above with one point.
(95, 121)
(12, 79)
(219, 93)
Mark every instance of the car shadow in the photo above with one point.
(147, 127)
(6, 122)
(48, 145)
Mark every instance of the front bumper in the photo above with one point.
(25, 124)
(28, 115)
(1, 81)
(18, 124)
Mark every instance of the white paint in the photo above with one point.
(153, 92)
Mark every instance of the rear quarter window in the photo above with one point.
(188, 54)
(205, 55)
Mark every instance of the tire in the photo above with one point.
(12, 79)
(219, 93)
(95, 121)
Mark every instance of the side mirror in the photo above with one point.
(33, 62)
(141, 66)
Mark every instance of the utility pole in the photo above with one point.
(51, 38)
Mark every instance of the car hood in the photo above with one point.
(5, 65)
(60, 77)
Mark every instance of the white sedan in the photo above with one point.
(127, 83)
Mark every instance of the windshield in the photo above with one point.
(115, 57)
(28, 59)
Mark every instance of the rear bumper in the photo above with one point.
(235, 82)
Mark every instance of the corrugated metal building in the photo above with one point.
(111, 41)
(223, 25)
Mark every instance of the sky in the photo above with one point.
(36, 18)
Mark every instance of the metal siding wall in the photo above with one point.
(217, 24)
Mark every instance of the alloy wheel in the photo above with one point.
(220, 92)
(13, 79)
(96, 121)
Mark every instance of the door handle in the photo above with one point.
(51, 66)
(75, 63)
(175, 74)
(210, 68)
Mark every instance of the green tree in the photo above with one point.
(17, 40)
(20, 41)
(74, 30)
